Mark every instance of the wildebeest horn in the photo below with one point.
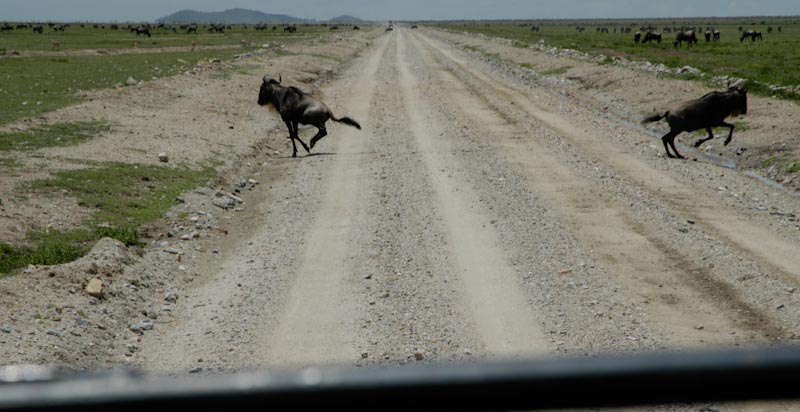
(739, 84)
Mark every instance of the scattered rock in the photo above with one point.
(131, 81)
(419, 356)
(5, 328)
(53, 332)
(163, 158)
(141, 326)
(95, 288)
(172, 251)
(195, 370)
(171, 297)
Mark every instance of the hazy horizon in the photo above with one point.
(381, 10)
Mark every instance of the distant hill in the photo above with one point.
(346, 19)
(228, 16)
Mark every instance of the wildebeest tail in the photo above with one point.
(655, 118)
(347, 120)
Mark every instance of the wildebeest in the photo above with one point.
(38, 29)
(290, 29)
(637, 37)
(217, 28)
(752, 34)
(708, 34)
(652, 36)
(296, 107)
(704, 113)
(334, 28)
(388, 29)
(685, 36)
(6, 27)
(356, 28)
(414, 27)
(142, 30)
(716, 35)
(191, 29)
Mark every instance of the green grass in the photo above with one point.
(124, 197)
(62, 134)
(556, 71)
(786, 163)
(30, 86)
(775, 61)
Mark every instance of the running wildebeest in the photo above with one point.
(685, 36)
(704, 113)
(296, 107)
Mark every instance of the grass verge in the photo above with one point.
(125, 197)
(62, 134)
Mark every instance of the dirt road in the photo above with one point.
(479, 214)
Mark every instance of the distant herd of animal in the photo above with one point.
(148, 29)
(689, 36)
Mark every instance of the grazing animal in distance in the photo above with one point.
(637, 37)
(707, 112)
(142, 30)
(56, 44)
(716, 35)
(296, 107)
(685, 36)
(752, 34)
(652, 36)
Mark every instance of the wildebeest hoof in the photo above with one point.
(698, 143)
(727, 141)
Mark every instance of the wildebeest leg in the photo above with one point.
(730, 134)
(672, 143)
(701, 141)
(297, 136)
(668, 138)
(320, 134)
(291, 137)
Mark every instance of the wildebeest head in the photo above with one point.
(266, 92)
(740, 94)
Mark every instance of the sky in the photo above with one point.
(382, 10)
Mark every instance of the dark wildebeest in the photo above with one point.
(414, 27)
(637, 37)
(716, 35)
(708, 34)
(191, 29)
(685, 36)
(752, 34)
(142, 30)
(704, 113)
(296, 107)
(356, 28)
(290, 29)
(38, 29)
(388, 29)
(6, 27)
(652, 36)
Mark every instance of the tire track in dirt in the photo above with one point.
(640, 260)
(505, 321)
(318, 322)
(768, 248)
